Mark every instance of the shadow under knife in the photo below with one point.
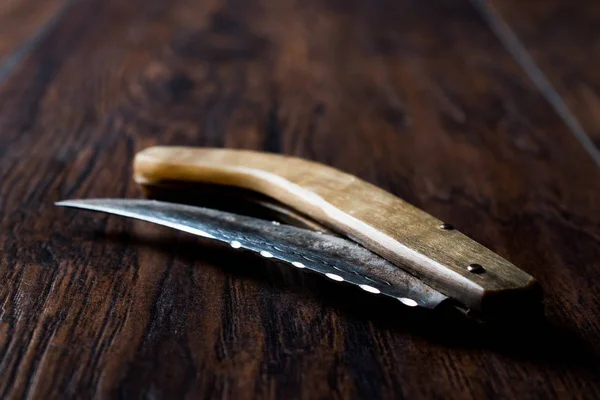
(535, 340)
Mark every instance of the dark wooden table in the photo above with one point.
(484, 113)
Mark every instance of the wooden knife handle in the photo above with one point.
(408, 237)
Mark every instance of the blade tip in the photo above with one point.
(68, 203)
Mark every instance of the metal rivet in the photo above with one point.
(235, 244)
(266, 254)
(446, 227)
(475, 268)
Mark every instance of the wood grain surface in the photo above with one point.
(418, 97)
(563, 38)
(22, 24)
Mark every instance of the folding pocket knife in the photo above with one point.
(371, 238)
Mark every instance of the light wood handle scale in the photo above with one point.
(380, 221)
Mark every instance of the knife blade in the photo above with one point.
(337, 258)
